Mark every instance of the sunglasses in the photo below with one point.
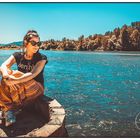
(33, 43)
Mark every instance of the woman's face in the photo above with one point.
(32, 46)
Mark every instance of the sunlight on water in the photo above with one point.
(99, 91)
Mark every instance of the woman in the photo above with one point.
(25, 84)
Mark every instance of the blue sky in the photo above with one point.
(58, 20)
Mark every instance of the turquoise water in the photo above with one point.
(99, 90)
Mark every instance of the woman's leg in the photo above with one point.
(33, 90)
(5, 99)
(26, 93)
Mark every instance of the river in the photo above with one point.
(100, 91)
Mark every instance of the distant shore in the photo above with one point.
(126, 38)
(75, 50)
(9, 48)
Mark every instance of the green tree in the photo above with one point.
(81, 38)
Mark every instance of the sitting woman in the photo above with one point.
(25, 84)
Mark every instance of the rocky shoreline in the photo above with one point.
(126, 38)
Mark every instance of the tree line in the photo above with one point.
(126, 38)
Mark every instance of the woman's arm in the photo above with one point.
(5, 67)
(27, 76)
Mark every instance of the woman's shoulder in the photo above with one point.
(41, 56)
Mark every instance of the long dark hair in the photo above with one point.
(27, 37)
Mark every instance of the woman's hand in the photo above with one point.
(11, 84)
(10, 80)
(5, 74)
(14, 87)
(14, 76)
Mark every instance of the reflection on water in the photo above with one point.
(99, 91)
